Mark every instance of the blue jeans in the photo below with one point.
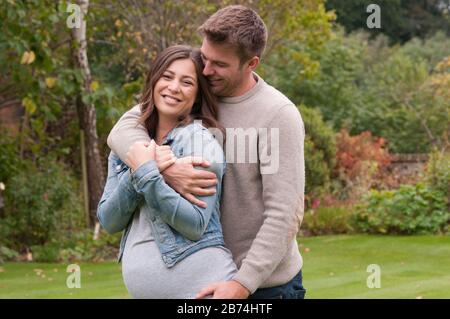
(291, 290)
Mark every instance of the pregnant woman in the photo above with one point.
(170, 248)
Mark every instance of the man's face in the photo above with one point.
(222, 68)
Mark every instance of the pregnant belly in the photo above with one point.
(146, 276)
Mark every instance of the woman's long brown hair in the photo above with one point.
(205, 105)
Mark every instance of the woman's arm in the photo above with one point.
(188, 219)
(119, 200)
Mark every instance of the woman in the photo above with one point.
(170, 248)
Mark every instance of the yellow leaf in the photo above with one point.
(31, 57)
(118, 23)
(29, 105)
(94, 86)
(24, 58)
(28, 57)
(50, 82)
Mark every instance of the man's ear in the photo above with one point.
(253, 63)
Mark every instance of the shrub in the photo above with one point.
(7, 254)
(320, 150)
(359, 162)
(42, 202)
(437, 174)
(328, 220)
(82, 247)
(408, 210)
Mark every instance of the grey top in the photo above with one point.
(146, 276)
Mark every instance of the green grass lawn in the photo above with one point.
(334, 267)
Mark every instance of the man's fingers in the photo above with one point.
(194, 200)
(200, 174)
(206, 182)
(203, 191)
(195, 161)
(206, 291)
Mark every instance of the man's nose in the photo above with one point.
(208, 70)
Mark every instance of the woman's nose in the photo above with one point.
(174, 86)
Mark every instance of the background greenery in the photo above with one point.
(364, 94)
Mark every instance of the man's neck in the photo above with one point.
(245, 86)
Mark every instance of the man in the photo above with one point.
(262, 201)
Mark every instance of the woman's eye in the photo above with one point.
(166, 76)
(188, 83)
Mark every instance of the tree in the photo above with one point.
(87, 114)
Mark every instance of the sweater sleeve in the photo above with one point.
(127, 131)
(283, 179)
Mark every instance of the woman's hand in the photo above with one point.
(140, 153)
(164, 157)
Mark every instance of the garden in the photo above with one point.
(375, 105)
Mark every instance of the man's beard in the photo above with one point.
(227, 89)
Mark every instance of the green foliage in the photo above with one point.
(80, 246)
(401, 20)
(326, 220)
(437, 175)
(9, 157)
(7, 254)
(320, 147)
(409, 210)
(42, 202)
(397, 93)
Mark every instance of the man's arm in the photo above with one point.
(181, 176)
(283, 195)
(127, 131)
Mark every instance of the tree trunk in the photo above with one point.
(87, 116)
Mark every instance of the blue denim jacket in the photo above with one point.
(179, 227)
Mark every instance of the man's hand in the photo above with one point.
(140, 153)
(224, 290)
(188, 181)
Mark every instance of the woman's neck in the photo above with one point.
(165, 125)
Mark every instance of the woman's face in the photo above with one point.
(176, 90)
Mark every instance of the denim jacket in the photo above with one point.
(179, 227)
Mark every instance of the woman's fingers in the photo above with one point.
(165, 164)
(165, 158)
